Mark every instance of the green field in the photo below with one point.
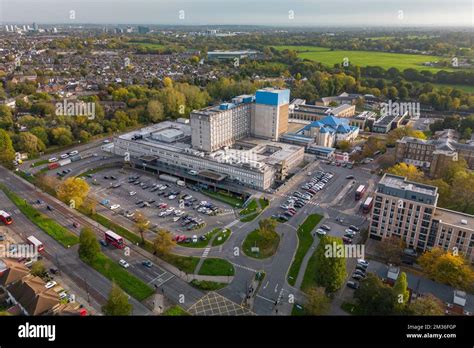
(465, 88)
(146, 45)
(385, 60)
(60, 233)
(216, 267)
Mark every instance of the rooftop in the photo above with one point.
(401, 183)
(465, 221)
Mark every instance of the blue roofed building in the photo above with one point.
(330, 130)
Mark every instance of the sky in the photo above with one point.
(245, 12)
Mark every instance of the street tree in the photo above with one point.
(73, 191)
(163, 243)
(38, 269)
(318, 303)
(88, 245)
(400, 288)
(7, 153)
(374, 297)
(330, 270)
(117, 303)
(141, 224)
(390, 249)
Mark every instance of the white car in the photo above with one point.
(62, 295)
(195, 239)
(50, 284)
(124, 263)
(115, 206)
(64, 155)
(129, 214)
(349, 231)
(363, 262)
(132, 193)
(171, 197)
(73, 153)
(52, 159)
(321, 232)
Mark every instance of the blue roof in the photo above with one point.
(331, 124)
(343, 128)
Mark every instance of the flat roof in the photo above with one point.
(455, 218)
(401, 183)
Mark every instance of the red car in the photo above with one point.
(346, 240)
(181, 239)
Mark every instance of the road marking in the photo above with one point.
(264, 298)
(265, 286)
(276, 288)
(206, 252)
(244, 267)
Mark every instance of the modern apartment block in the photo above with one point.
(409, 210)
(264, 115)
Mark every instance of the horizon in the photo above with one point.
(265, 13)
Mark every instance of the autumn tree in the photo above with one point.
(163, 243)
(117, 302)
(30, 143)
(89, 205)
(318, 303)
(141, 224)
(426, 305)
(38, 269)
(155, 111)
(406, 170)
(400, 288)
(73, 191)
(374, 297)
(448, 268)
(267, 228)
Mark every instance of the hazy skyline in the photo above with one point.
(244, 12)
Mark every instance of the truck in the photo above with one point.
(169, 178)
(180, 183)
(64, 162)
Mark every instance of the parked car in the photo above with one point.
(354, 228)
(352, 284)
(357, 276)
(52, 159)
(50, 284)
(363, 262)
(321, 232)
(124, 263)
(326, 227)
(115, 206)
(73, 153)
(50, 208)
(132, 193)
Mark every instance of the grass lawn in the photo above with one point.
(249, 217)
(385, 60)
(305, 239)
(350, 308)
(146, 45)
(297, 311)
(207, 285)
(465, 88)
(308, 279)
(186, 264)
(201, 243)
(224, 235)
(127, 281)
(175, 311)
(250, 208)
(263, 203)
(267, 247)
(216, 267)
(225, 197)
(48, 225)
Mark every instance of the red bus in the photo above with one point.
(5, 217)
(114, 239)
(367, 205)
(360, 192)
(34, 241)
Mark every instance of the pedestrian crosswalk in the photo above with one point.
(244, 267)
(205, 252)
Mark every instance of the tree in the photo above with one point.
(89, 205)
(38, 269)
(448, 268)
(117, 303)
(62, 136)
(167, 82)
(267, 228)
(155, 111)
(163, 243)
(462, 190)
(29, 143)
(426, 305)
(73, 191)
(141, 224)
(318, 303)
(344, 145)
(400, 288)
(374, 297)
(7, 153)
(390, 249)
(88, 245)
(330, 270)
(406, 170)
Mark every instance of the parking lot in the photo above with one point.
(181, 210)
